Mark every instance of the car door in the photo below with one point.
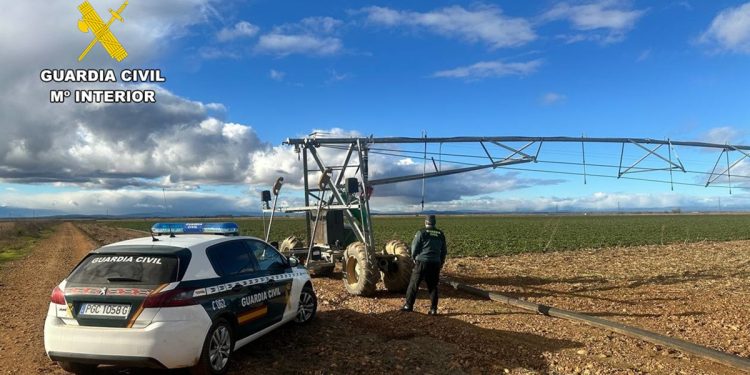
(237, 289)
(276, 270)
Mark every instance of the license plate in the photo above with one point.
(105, 310)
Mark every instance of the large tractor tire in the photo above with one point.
(361, 274)
(396, 278)
(289, 243)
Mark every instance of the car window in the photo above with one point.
(230, 258)
(125, 268)
(268, 258)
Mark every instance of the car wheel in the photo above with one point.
(308, 305)
(78, 368)
(217, 349)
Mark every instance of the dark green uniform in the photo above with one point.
(428, 249)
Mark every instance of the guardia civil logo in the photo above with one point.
(100, 30)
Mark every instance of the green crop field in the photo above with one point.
(502, 235)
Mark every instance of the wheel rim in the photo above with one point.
(219, 348)
(352, 270)
(306, 306)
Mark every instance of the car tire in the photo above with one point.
(307, 306)
(78, 368)
(217, 350)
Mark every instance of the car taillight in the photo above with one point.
(57, 297)
(170, 298)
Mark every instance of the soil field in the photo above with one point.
(501, 235)
(696, 292)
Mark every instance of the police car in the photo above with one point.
(186, 297)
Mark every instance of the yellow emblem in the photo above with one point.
(92, 22)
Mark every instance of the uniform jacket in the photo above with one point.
(429, 245)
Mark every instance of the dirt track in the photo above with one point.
(26, 287)
(695, 292)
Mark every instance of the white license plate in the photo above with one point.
(105, 310)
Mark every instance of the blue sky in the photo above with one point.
(658, 81)
(252, 73)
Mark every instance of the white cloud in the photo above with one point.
(149, 28)
(551, 98)
(724, 135)
(311, 36)
(276, 75)
(242, 29)
(644, 55)
(730, 30)
(336, 76)
(180, 203)
(213, 53)
(122, 202)
(317, 25)
(600, 201)
(605, 21)
(175, 142)
(116, 145)
(283, 45)
(491, 69)
(486, 24)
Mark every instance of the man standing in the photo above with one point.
(428, 251)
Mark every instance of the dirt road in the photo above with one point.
(692, 292)
(25, 290)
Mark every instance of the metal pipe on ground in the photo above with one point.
(730, 360)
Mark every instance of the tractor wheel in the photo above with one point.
(361, 273)
(290, 243)
(397, 280)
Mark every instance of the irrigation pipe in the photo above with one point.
(655, 338)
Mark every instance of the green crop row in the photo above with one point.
(502, 235)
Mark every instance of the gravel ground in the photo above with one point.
(695, 292)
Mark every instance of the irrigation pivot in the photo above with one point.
(338, 185)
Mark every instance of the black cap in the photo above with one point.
(429, 220)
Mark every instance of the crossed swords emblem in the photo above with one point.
(92, 22)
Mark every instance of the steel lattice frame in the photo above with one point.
(358, 149)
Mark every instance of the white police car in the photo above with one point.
(179, 299)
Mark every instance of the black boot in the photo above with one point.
(432, 312)
(407, 308)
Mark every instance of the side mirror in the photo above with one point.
(293, 262)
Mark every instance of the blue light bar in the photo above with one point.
(195, 228)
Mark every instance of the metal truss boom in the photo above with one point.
(373, 140)
(350, 166)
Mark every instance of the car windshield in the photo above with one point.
(126, 268)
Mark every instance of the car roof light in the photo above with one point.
(196, 228)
